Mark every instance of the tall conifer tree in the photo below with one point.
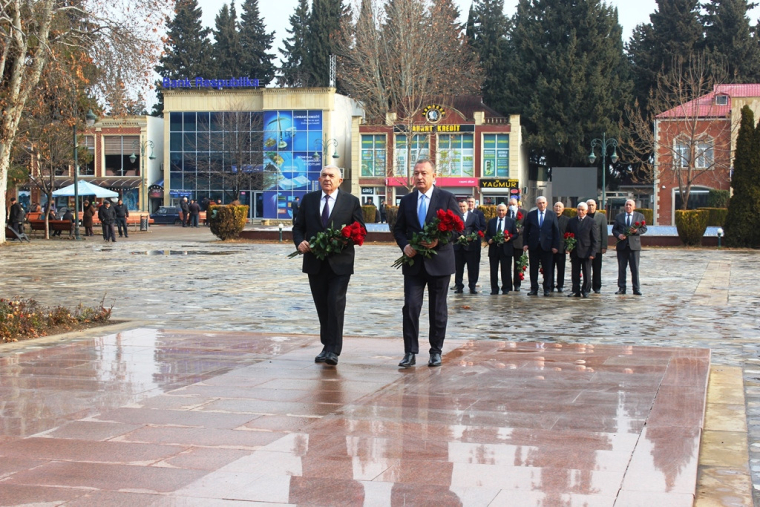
(294, 50)
(728, 35)
(227, 48)
(743, 221)
(487, 30)
(323, 38)
(256, 61)
(568, 76)
(187, 53)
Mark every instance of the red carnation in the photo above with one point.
(480, 234)
(637, 224)
(443, 227)
(519, 215)
(643, 222)
(346, 232)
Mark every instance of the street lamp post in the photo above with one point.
(143, 148)
(604, 143)
(90, 119)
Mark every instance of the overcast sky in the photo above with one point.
(276, 14)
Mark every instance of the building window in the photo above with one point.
(117, 150)
(87, 159)
(455, 155)
(703, 153)
(420, 149)
(373, 155)
(496, 156)
(721, 100)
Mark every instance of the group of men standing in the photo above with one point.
(511, 233)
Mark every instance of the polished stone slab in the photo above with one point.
(169, 417)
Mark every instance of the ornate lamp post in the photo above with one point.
(604, 143)
(321, 146)
(90, 119)
(143, 148)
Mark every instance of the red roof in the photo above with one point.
(706, 106)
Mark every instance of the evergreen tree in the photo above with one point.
(187, 53)
(568, 76)
(728, 35)
(255, 61)
(487, 33)
(675, 31)
(743, 221)
(294, 51)
(227, 49)
(323, 38)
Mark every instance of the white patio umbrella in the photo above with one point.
(85, 188)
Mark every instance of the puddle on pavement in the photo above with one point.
(181, 252)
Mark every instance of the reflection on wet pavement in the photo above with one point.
(155, 417)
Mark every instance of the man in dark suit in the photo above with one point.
(500, 256)
(586, 233)
(294, 207)
(328, 278)
(518, 214)
(629, 245)
(596, 265)
(541, 241)
(415, 209)
(469, 254)
(558, 264)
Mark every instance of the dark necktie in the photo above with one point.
(499, 228)
(541, 219)
(628, 221)
(326, 211)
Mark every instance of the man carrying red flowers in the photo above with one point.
(467, 249)
(325, 209)
(426, 204)
(628, 228)
(500, 235)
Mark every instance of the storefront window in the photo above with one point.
(420, 149)
(455, 155)
(373, 155)
(117, 152)
(87, 166)
(496, 155)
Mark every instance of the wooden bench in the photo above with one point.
(133, 219)
(55, 225)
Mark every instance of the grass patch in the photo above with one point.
(24, 319)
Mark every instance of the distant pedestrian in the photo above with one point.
(185, 207)
(294, 208)
(87, 217)
(69, 216)
(16, 216)
(195, 210)
(107, 217)
(122, 213)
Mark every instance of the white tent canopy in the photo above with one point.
(85, 188)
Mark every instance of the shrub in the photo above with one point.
(691, 225)
(25, 318)
(648, 215)
(369, 213)
(718, 198)
(570, 212)
(716, 216)
(489, 211)
(391, 212)
(227, 222)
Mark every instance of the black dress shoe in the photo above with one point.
(458, 291)
(435, 360)
(574, 295)
(533, 293)
(597, 291)
(637, 293)
(584, 294)
(331, 359)
(407, 361)
(494, 292)
(620, 291)
(560, 290)
(321, 357)
(547, 293)
(473, 291)
(505, 292)
(517, 289)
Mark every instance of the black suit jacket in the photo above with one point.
(524, 213)
(407, 224)
(547, 236)
(474, 222)
(562, 222)
(346, 210)
(586, 236)
(506, 248)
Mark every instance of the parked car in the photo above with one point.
(167, 215)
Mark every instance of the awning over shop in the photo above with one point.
(113, 183)
(159, 183)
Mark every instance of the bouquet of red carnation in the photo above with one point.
(522, 265)
(332, 241)
(466, 239)
(570, 241)
(502, 237)
(633, 229)
(439, 229)
(519, 216)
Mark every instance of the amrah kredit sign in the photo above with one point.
(201, 82)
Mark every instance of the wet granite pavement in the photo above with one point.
(184, 280)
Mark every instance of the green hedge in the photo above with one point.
(570, 212)
(716, 217)
(227, 222)
(648, 215)
(691, 225)
(369, 212)
(718, 198)
(489, 211)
